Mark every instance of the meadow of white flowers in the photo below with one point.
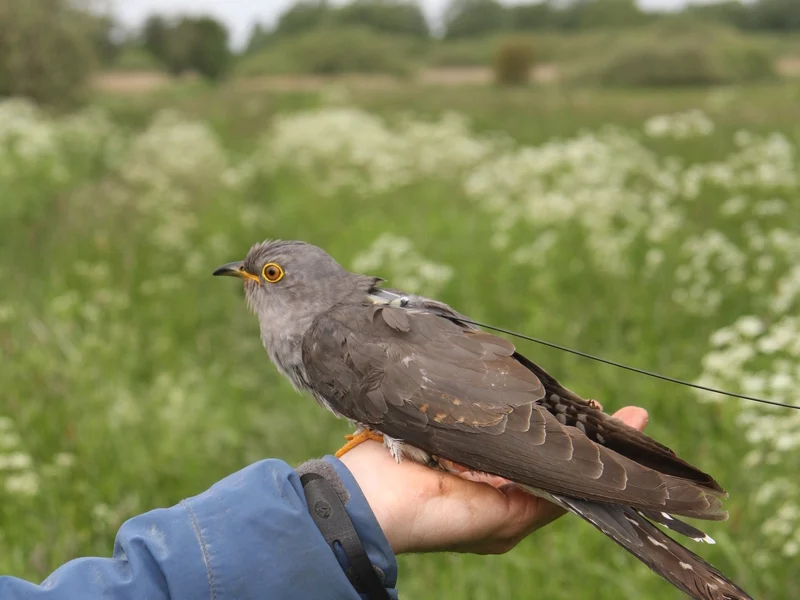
(722, 234)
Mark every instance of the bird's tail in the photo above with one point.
(678, 565)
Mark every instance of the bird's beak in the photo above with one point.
(236, 269)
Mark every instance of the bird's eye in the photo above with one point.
(272, 273)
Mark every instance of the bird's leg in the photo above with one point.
(353, 440)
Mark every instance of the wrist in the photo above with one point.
(366, 525)
(393, 514)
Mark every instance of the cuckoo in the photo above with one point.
(409, 371)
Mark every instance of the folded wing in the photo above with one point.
(467, 396)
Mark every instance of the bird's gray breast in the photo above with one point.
(287, 357)
(283, 340)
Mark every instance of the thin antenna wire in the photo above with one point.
(626, 367)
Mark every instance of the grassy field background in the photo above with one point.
(659, 228)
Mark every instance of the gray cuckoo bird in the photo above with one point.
(447, 394)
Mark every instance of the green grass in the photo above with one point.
(117, 347)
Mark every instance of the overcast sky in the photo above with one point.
(240, 15)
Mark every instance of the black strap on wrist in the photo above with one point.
(330, 516)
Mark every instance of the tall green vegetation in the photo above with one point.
(197, 44)
(155, 36)
(208, 47)
(47, 49)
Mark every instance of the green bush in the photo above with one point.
(209, 54)
(513, 62)
(197, 44)
(333, 51)
(47, 50)
(679, 54)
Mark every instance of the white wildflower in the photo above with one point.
(733, 206)
(749, 326)
(689, 124)
(15, 461)
(405, 267)
(64, 460)
(347, 148)
(9, 439)
(23, 484)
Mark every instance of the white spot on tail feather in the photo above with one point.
(667, 516)
(653, 540)
(686, 566)
(707, 539)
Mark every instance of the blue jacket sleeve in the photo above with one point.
(249, 536)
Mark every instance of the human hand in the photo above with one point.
(424, 510)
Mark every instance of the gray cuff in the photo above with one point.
(324, 468)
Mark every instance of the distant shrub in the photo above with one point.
(335, 51)
(154, 36)
(681, 55)
(197, 44)
(209, 54)
(46, 50)
(513, 62)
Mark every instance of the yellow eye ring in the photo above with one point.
(272, 273)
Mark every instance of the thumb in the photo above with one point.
(633, 416)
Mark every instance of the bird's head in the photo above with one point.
(288, 283)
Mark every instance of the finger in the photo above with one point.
(493, 480)
(539, 512)
(633, 416)
(524, 514)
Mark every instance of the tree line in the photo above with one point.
(49, 47)
(476, 18)
(201, 44)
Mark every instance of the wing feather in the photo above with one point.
(468, 396)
